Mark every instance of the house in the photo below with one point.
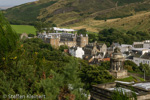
(144, 59)
(143, 44)
(76, 52)
(110, 49)
(140, 50)
(95, 52)
(95, 49)
(125, 47)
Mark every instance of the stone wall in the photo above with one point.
(120, 74)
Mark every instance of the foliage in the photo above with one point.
(112, 35)
(82, 31)
(131, 65)
(128, 67)
(92, 37)
(43, 26)
(128, 79)
(122, 95)
(117, 95)
(63, 47)
(8, 38)
(96, 75)
(106, 64)
(144, 67)
(36, 68)
(30, 35)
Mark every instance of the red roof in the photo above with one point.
(106, 59)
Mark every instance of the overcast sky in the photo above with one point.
(4, 3)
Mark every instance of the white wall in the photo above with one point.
(77, 53)
(140, 60)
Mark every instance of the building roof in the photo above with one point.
(145, 86)
(106, 59)
(63, 29)
(116, 44)
(146, 56)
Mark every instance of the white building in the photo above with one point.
(125, 47)
(76, 52)
(143, 44)
(144, 59)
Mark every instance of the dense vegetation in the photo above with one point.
(8, 38)
(33, 67)
(112, 35)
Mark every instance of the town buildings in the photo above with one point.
(95, 52)
(69, 39)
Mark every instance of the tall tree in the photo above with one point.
(8, 38)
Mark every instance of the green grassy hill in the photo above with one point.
(77, 13)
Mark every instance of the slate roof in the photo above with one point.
(116, 44)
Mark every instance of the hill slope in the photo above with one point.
(76, 12)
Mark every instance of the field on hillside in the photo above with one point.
(24, 29)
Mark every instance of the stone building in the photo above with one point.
(105, 91)
(82, 40)
(116, 64)
(69, 39)
(95, 52)
(94, 49)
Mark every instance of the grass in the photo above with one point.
(24, 29)
(131, 78)
(127, 79)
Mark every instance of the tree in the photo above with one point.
(8, 38)
(144, 67)
(63, 47)
(131, 64)
(82, 31)
(30, 35)
(96, 75)
(69, 84)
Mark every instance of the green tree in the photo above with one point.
(132, 65)
(63, 47)
(8, 38)
(82, 31)
(96, 75)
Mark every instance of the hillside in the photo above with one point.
(77, 13)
